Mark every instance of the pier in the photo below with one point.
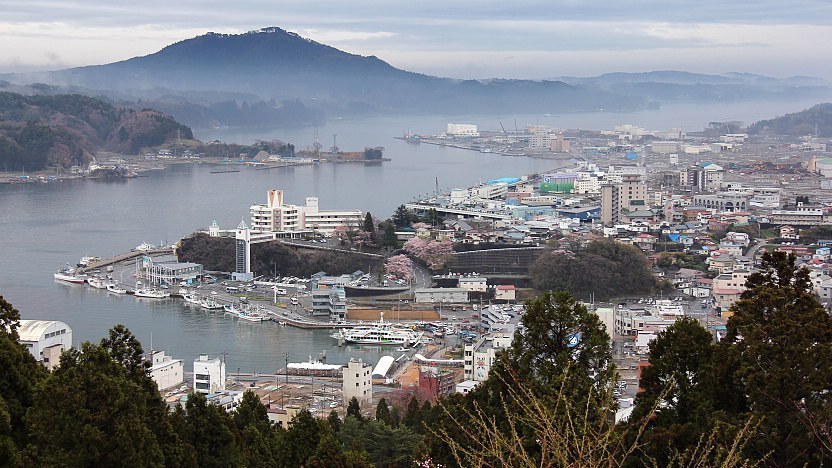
(122, 257)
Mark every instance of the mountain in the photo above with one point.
(274, 64)
(817, 119)
(672, 85)
(63, 130)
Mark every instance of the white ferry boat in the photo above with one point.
(69, 275)
(380, 333)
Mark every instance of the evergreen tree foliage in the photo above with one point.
(369, 224)
(20, 375)
(779, 355)
(89, 412)
(210, 431)
(302, 438)
(389, 238)
(604, 268)
(402, 217)
(354, 409)
(563, 355)
(676, 390)
(334, 422)
(383, 413)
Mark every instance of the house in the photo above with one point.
(788, 232)
(505, 292)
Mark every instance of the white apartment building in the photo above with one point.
(586, 183)
(45, 339)
(166, 371)
(479, 357)
(802, 215)
(490, 191)
(462, 130)
(278, 216)
(474, 283)
(209, 374)
(358, 382)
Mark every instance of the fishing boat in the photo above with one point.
(70, 275)
(97, 283)
(210, 304)
(244, 313)
(115, 288)
(191, 298)
(151, 293)
(85, 261)
(379, 333)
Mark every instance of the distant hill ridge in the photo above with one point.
(63, 130)
(278, 70)
(807, 122)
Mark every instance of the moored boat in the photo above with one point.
(210, 304)
(380, 333)
(151, 293)
(97, 283)
(70, 275)
(115, 288)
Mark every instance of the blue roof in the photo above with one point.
(508, 180)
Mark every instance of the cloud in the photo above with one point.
(334, 36)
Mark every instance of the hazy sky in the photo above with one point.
(460, 39)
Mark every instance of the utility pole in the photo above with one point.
(286, 370)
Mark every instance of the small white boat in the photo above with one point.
(210, 304)
(69, 275)
(151, 293)
(97, 283)
(114, 288)
(191, 299)
(85, 261)
(282, 324)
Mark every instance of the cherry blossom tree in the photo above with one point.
(432, 252)
(400, 266)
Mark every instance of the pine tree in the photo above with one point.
(778, 349)
(354, 409)
(678, 384)
(383, 413)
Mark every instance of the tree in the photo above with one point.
(383, 413)
(778, 355)
(389, 238)
(369, 224)
(604, 268)
(210, 431)
(354, 409)
(399, 266)
(88, 412)
(302, 438)
(676, 390)
(20, 375)
(434, 253)
(562, 357)
(402, 217)
(334, 422)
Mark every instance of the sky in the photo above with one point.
(458, 39)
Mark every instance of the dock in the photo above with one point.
(105, 262)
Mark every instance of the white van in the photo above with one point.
(294, 301)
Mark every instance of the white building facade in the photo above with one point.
(278, 216)
(45, 339)
(209, 374)
(358, 382)
(166, 371)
